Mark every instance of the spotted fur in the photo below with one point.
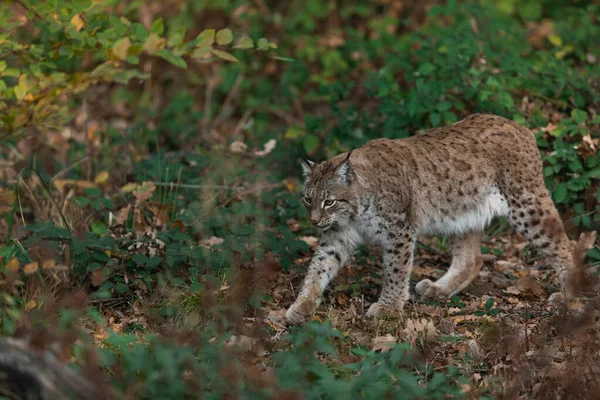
(452, 180)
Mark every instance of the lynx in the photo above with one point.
(452, 180)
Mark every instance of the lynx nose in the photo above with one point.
(315, 217)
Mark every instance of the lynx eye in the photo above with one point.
(307, 200)
(329, 203)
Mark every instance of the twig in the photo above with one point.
(223, 110)
(67, 169)
(206, 120)
(242, 122)
(195, 187)
(250, 191)
(526, 333)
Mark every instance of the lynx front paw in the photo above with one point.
(299, 312)
(428, 289)
(381, 311)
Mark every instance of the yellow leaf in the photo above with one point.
(30, 268)
(201, 52)
(128, 188)
(28, 97)
(48, 264)
(224, 36)
(60, 184)
(244, 43)
(224, 55)
(13, 265)
(77, 21)
(555, 40)
(564, 51)
(207, 38)
(101, 178)
(153, 43)
(30, 305)
(121, 47)
(22, 88)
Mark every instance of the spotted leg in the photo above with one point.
(466, 263)
(333, 252)
(397, 265)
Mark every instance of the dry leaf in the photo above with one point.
(238, 147)
(143, 192)
(77, 22)
(423, 328)
(98, 277)
(311, 241)
(528, 285)
(13, 265)
(383, 343)
(30, 268)
(30, 305)
(48, 264)
(60, 184)
(7, 199)
(269, 146)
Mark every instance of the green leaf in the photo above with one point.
(489, 304)
(263, 44)
(157, 27)
(579, 116)
(224, 55)
(594, 253)
(168, 55)
(224, 37)
(560, 193)
(99, 228)
(244, 43)
(139, 259)
(311, 142)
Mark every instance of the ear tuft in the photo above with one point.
(307, 165)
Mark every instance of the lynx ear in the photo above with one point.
(307, 165)
(345, 170)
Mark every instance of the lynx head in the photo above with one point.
(329, 193)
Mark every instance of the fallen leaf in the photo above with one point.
(383, 343)
(144, 192)
(311, 241)
(13, 265)
(60, 184)
(30, 304)
(98, 277)
(30, 268)
(528, 285)
(48, 264)
(7, 199)
(238, 147)
(269, 146)
(424, 328)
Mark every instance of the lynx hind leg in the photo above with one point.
(536, 218)
(465, 266)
